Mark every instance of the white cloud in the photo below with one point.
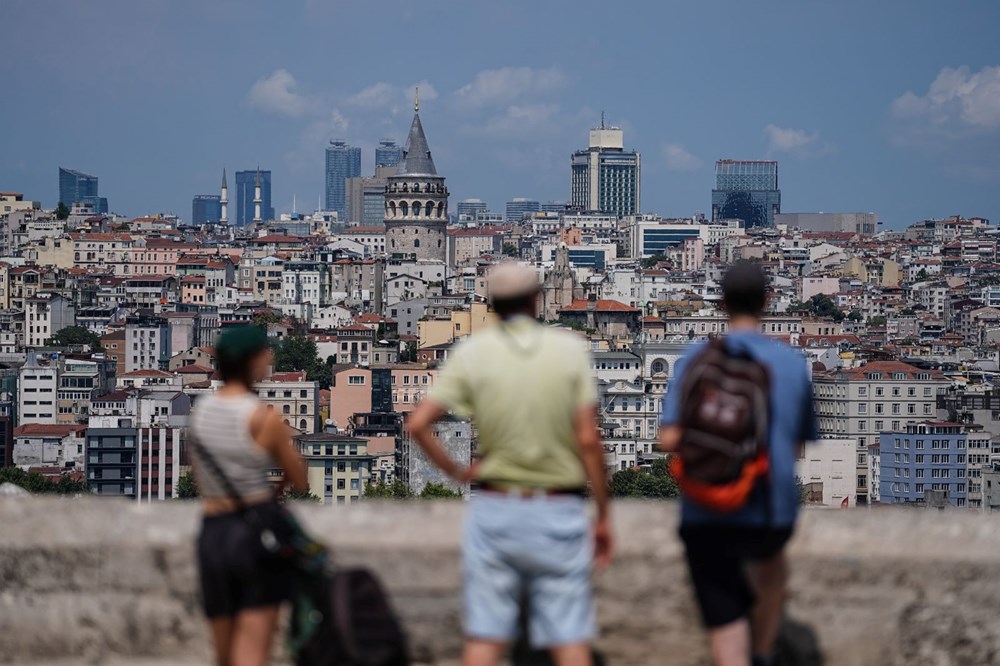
(787, 140)
(957, 96)
(521, 120)
(509, 84)
(390, 97)
(277, 94)
(679, 159)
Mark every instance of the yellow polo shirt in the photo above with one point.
(520, 383)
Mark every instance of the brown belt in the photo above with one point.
(516, 491)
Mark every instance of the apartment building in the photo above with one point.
(294, 397)
(859, 403)
(339, 466)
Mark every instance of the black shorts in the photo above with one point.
(717, 556)
(234, 576)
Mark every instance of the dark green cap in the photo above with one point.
(241, 342)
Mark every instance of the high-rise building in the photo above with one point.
(76, 187)
(469, 209)
(553, 207)
(746, 190)
(416, 206)
(387, 154)
(518, 209)
(206, 208)
(245, 185)
(366, 197)
(342, 162)
(605, 177)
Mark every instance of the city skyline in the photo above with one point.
(908, 132)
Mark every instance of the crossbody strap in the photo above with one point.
(220, 476)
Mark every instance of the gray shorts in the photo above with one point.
(538, 546)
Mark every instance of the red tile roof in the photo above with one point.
(194, 370)
(600, 305)
(47, 430)
(299, 376)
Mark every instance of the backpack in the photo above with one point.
(797, 645)
(724, 418)
(345, 619)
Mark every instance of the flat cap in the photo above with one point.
(510, 279)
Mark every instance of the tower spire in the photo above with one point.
(416, 99)
(224, 199)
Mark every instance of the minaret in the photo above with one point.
(256, 197)
(416, 200)
(224, 199)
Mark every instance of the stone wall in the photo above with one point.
(100, 579)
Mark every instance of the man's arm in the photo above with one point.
(420, 425)
(588, 439)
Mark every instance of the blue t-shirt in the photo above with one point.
(793, 421)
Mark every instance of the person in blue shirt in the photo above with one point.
(737, 560)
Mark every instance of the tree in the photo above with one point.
(922, 275)
(877, 320)
(822, 305)
(75, 335)
(855, 315)
(62, 212)
(187, 488)
(650, 262)
(382, 490)
(907, 312)
(657, 483)
(34, 482)
(439, 491)
(264, 318)
(801, 490)
(301, 495)
(298, 352)
(510, 250)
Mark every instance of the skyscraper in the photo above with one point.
(467, 209)
(342, 162)
(605, 177)
(76, 187)
(387, 153)
(245, 197)
(206, 208)
(366, 197)
(746, 190)
(416, 201)
(518, 209)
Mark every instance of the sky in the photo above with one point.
(890, 106)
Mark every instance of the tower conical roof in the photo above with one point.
(224, 186)
(417, 154)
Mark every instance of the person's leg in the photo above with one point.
(731, 644)
(575, 654)
(253, 632)
(491, 583)
(561, 614)
(721, 590)
(769, 578)
(222, 636)
(482, 653)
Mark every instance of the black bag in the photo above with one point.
(724, 420)
(797, 645)
(345, 619)
(281, 541)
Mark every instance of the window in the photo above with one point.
(356, 380)
(286, 409)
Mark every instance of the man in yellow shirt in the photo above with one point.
(529, 391)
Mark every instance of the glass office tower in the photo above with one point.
(76, 187)
(746, 190)
(244, 197)
(387, 153)
(206, 208)
(342, 162)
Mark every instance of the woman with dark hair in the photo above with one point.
(236, 441)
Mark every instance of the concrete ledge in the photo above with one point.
(97, 581)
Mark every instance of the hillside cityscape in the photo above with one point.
(108, 322)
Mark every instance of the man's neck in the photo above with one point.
(744, 323)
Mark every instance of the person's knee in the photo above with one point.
(770, 573)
